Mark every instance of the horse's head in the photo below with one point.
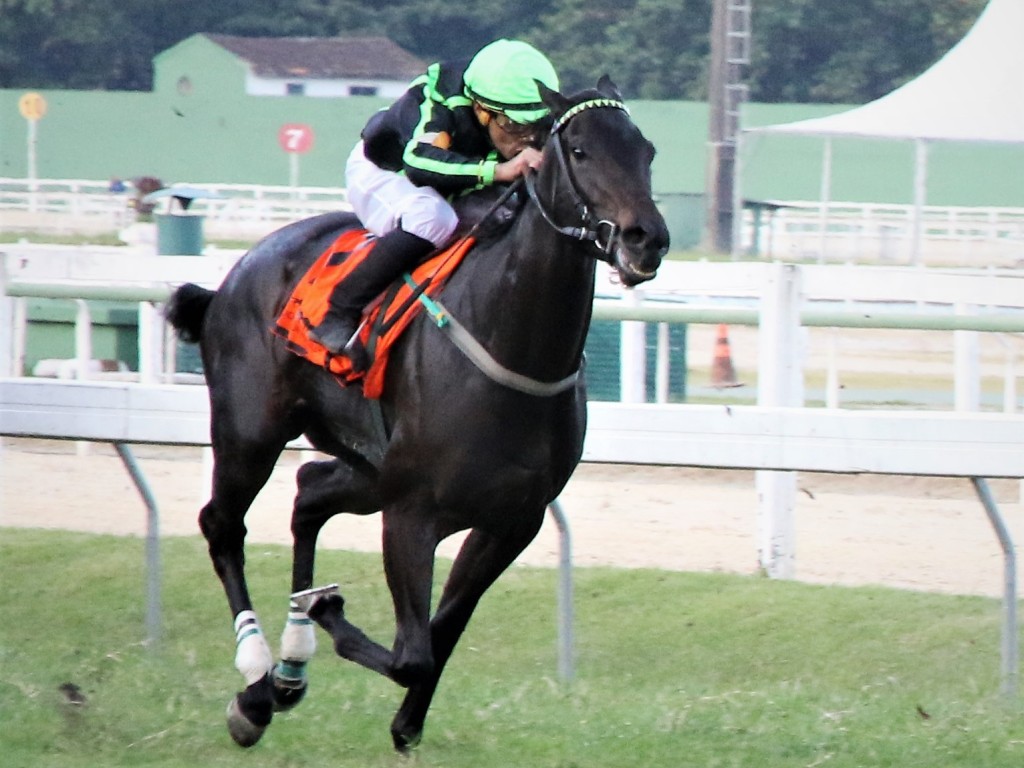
(597, 180)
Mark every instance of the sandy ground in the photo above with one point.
(908, 532)
(916, 533)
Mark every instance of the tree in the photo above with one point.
(651, 48)
(803, 50)
(849, 52)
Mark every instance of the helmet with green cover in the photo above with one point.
(501, 77)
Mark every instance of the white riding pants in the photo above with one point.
(385, 200)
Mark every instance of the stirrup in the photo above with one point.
(307, 598)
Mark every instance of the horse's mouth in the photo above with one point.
(630, 272)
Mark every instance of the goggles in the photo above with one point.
(511, 127)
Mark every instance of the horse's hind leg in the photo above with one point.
(325, 488)
(238, 476)
(482, 559)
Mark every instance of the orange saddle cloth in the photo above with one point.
(386, 319)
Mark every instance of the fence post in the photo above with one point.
(151, 344)
(7, 324)
(633, 354)
(779, 383)
(967, 362)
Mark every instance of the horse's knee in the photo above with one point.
(413, 663)
(221, 533)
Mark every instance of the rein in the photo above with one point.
(603, 233)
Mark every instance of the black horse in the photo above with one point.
(478, 434)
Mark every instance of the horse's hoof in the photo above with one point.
(308, 597)
(243, 730)
(405, 742)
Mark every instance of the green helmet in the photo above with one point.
(501, 77)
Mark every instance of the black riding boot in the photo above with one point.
(396, 252)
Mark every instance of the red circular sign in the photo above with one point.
(295, 137)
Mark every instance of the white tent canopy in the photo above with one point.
(972, 94)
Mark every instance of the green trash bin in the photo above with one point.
(179, 234)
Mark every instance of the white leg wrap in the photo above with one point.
(298, 641)
(252, 654)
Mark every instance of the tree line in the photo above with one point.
(802, 50)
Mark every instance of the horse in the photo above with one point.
(474, 431)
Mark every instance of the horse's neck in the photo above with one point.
(531, 298)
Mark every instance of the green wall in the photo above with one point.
(213, 132)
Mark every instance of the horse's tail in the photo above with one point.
(186, 310)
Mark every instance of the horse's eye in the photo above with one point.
(578, 154)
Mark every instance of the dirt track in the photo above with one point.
(917, 533)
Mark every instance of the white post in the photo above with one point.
(920, 197)
(663, 364)
(33, 185)
(826, 197)
(8, 325)
(633, 356)
(780, 383)
(832, 376)
(83, 355)
(966, 362)
(83, 339)
(151, 344)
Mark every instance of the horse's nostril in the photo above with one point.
(635, 236)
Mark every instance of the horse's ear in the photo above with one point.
(555, 101)
(607, 87)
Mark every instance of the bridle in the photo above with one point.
(603, 233)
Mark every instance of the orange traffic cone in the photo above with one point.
(723, 375)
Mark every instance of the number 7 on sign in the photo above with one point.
(295, 139)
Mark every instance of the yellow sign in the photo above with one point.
(32, 106)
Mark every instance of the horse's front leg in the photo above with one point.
(409, 545)
(325, 488)
(481, 560)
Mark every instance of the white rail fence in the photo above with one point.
(829, 296)
(232, 211)
(792, 230)
(837, 231)
(777, 437)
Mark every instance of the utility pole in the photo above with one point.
(730, 53)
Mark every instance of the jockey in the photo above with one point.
(461, 126)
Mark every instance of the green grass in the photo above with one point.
(673, 670)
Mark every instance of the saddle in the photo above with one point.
(385, 319)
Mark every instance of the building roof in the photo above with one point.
(324, 57)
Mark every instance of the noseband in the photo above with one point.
(601, 232)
